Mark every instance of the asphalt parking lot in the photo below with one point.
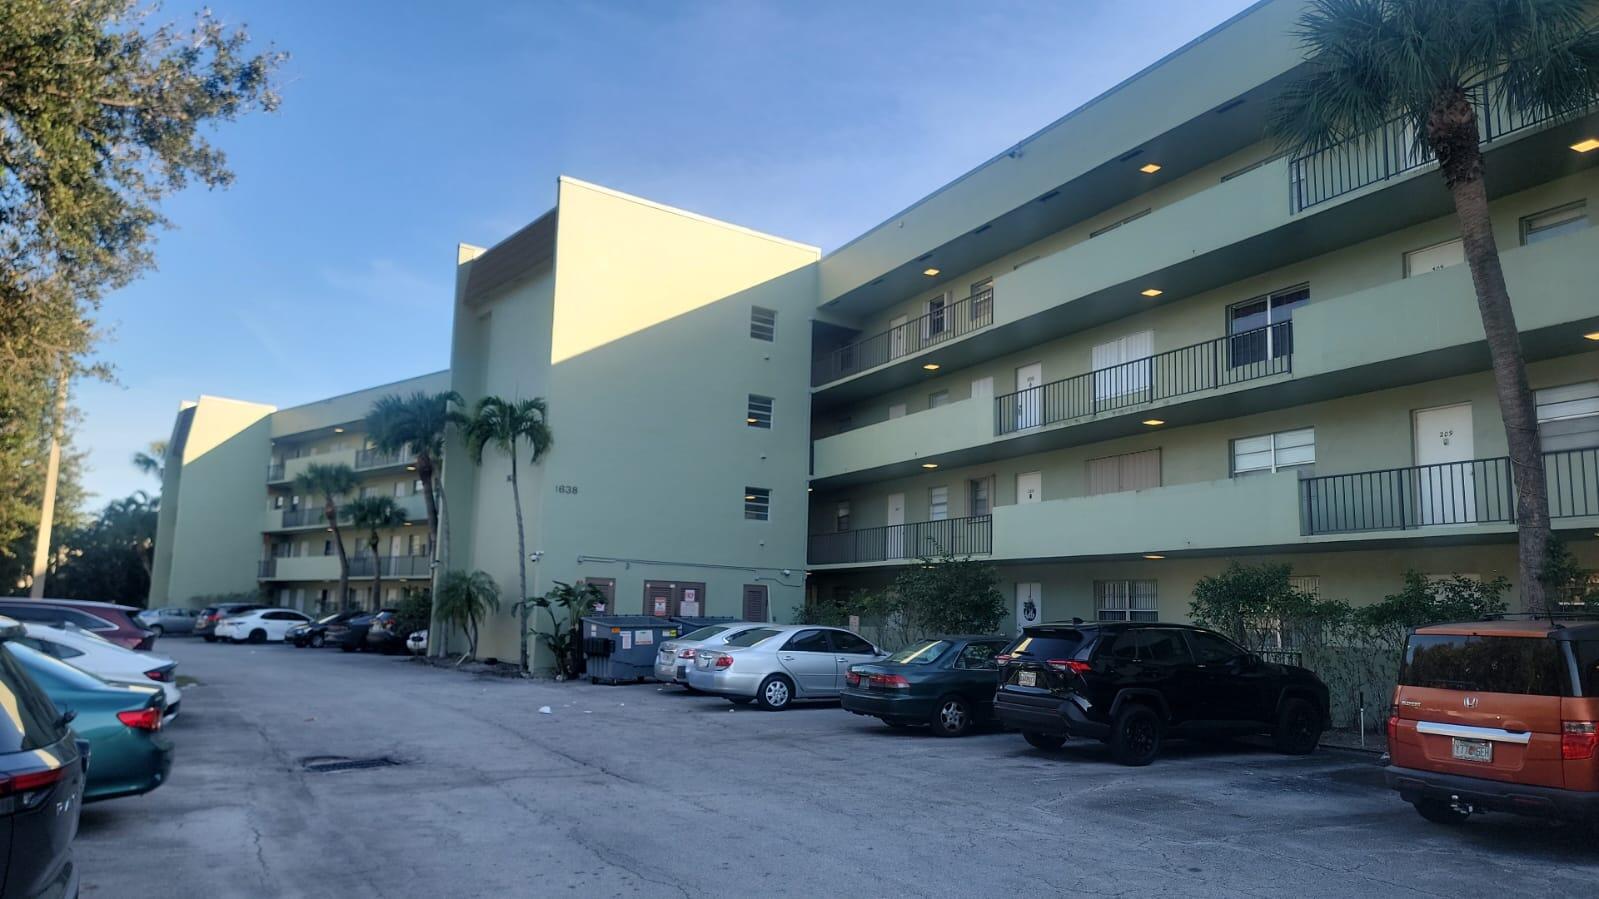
(632, 791)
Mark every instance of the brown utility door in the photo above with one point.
(607, 587)
(755, 602)
(669, 599)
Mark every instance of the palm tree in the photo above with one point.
(1423, 64)
(331, 482)
(464, 600)
(505, 424)
(131, 523)
(373, 513)
(153, 459)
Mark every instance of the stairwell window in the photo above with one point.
(1554, 222)
(1126, 600)
(1274, 452)
(759, 414)
(1568, 416)
(757, 503)
(763, 323)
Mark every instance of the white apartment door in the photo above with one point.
(1446, 484)
(983, 388)
(1029, 396)
(896, 336)
(1120, 369)
(895, 536)
(1030, 487)
(1029, 604)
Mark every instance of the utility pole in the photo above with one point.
(47, 506)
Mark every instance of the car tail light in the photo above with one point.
(1577, 740)
(1075, 666)
(890, 681)
(1003, 657)
(29, 788)
(142, 719)
(685, 653)
(724, 661)
(852, 678)
(163, 675)
(1393, 731)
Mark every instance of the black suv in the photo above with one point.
(1132, 685)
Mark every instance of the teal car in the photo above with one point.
(946, 683)
(128, 754)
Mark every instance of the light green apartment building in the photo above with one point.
(1135, 345)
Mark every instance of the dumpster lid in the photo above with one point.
(696, 622)
(634, 621)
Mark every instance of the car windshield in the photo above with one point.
(329, 619)
(752, 637)
(1524, 665)
(704, 633)
(924, 653)
(1053, 643)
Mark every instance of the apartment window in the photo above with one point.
(763, 323)
(1554, 222)
(980, 496)
(1115, 374)
(1568, 417)
(1258, 328)
(327, 547)
(757, 503)
(399, 489)
(935, 322)
(841, 518)
(417, 486)
(937, 503)
(937, 398)
(1271, 452)
(982, 304)
(277, 501)
(760, 412)
(1128, 471)
(1125, 601)
(1434, 258)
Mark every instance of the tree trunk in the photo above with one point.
(1452, 131)
(331, 513)
(521, 561)
(377, 572)
(439, 549)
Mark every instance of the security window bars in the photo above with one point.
(760, 412)
(757, 503)
(763, 323)
(1554, 222)
(1126, 600)
(1271, 452)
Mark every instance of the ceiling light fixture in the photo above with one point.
(1586, 146)
(749, 421)
(1593, 336)
(930, 272)
(1149, 168)
(1154, 422)
(929, 465)
(1153, 556)
(1152, 292)
(931, 366)
(338, 430)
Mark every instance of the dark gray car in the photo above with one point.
(169, 620)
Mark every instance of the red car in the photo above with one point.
(106, 619)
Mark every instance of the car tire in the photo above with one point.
(209, 638)
(256, 636)
(1298, 728)
(1135, 735)
(1440, 812)
(317, 640)
(158, 630)
(741, 700)
(952, 718)
(775, 693)
(1041, 740)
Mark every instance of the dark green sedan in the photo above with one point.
(128, 754)
(946, 683)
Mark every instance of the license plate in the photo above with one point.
(1472, 750)
(1027, 679)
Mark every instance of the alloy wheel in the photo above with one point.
(776, 693)
(952, 716)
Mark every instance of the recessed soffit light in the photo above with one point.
(1149, 168)
(930, 272)
(1586, 146)
(1154, 422)
(1152, 291)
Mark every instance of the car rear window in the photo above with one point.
(1061, 643)
(750, 638)
(29, 718)
(1524, 665)
(704, 633)
(924, 652)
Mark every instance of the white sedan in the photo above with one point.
(104, 659)
(260, 625)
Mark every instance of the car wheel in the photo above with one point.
(741, 700)
(1440, 812)
(210, 638)
(256, 636)
(775, 693)
(953, 718)
(158, 630)
(317, 640)
(1039, 740)
(1298, 728)
(1135, 735)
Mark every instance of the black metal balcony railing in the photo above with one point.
(371, 458)
(275, 471)
(1223, 361)
(1479, 491)
(936, 327)
(972, 536)
(1393, 150)
(267, 568)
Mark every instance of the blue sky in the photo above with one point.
(327, 267)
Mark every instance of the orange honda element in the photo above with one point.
(1498, 716)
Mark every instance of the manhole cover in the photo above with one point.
(322, 764)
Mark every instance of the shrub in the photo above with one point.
(943, 595)
(414, 612)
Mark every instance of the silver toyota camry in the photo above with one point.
(676, 656)
(777, 664)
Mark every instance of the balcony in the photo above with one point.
(326, 568)
(291, 468)
(266, 568)
(275, 473)
(948, 428)
(1480, 491)
(934, 329)
(371, 458)
(392, 566)
(972, 536)
(1222, 362)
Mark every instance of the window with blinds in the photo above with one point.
(1568, 416)
(1128, 471)
(760, 411)
(938, 503)
(1126, 600)
(1272, 452)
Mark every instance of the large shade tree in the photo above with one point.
(372, 514)
(511, 426)
(1426, 67)
(331, 483)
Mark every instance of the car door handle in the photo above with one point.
(787, 658)
(841, 659)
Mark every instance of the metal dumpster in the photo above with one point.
(620, 649)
